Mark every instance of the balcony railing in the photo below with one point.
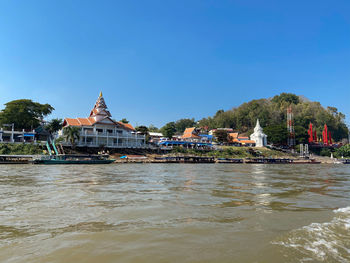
(111, 145)
(111, 134)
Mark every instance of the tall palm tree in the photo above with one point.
(72, 134)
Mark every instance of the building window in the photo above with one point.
(99, 130)
(110, 131)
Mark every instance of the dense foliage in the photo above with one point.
(72, 134)
(54, 125)
(24, 113)
(168, 130)
(221, 136)
(230, 152)
(343, 151)
(9, 148)
(273, 118)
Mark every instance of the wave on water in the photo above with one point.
(323, 242)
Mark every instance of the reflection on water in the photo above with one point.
(174, 212)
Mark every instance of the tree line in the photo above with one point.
(271, 112)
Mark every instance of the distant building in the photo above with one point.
(155, 137)
(237, 140)
(191, 138)
(228, 130)
(99, 129)
(259, 136)
(195, 135)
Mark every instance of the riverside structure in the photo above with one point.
(99, 129)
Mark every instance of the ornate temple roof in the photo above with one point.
(100, 109)
(99, 114)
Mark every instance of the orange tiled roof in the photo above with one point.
(85, 121)
(190, 136)
(188, 133)
(90, 121)
(233, 134)
(247, 141)
(189, 130)
(71, 122)
(78, 122)
(126, 125)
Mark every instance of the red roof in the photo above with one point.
(189, 133)
(126, 125)
(247, 141)
(91, 121)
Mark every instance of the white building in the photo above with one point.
(99, 129)
(12, 136)
(259, 136)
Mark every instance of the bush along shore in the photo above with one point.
(20, 149)
(151, 155)
(232, 152)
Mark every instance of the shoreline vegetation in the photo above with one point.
(139, 156)
(271, 113)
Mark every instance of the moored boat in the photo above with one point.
(74, 159)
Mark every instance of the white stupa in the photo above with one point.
(259, 136)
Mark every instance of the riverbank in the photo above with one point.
(225, 154)
(229, 153)
(20, 149)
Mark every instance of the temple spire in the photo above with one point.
(100, 111)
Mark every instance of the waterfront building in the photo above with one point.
(191, 138)
(259, 136)
(13, 136)
(99, 129)
(155, 137)
(196, 135)
(236, 140)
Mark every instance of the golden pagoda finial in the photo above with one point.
(100, 93)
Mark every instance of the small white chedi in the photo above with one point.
(259, 136)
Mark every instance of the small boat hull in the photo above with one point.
(74, 161)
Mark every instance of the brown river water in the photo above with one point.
(175, 213)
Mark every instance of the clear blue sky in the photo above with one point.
(158, 61)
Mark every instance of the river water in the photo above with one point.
(175, 213)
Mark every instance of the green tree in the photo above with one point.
(168, 130)
(221, 136)
(153, 128)
(276, 134)
(285, 99)
(273, 117)
(182, 124)
(343, 151)
(54, 125)
(72, 134)
(144, 131)
(24, 113)
(124, 120)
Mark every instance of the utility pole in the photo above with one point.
(290, 127)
